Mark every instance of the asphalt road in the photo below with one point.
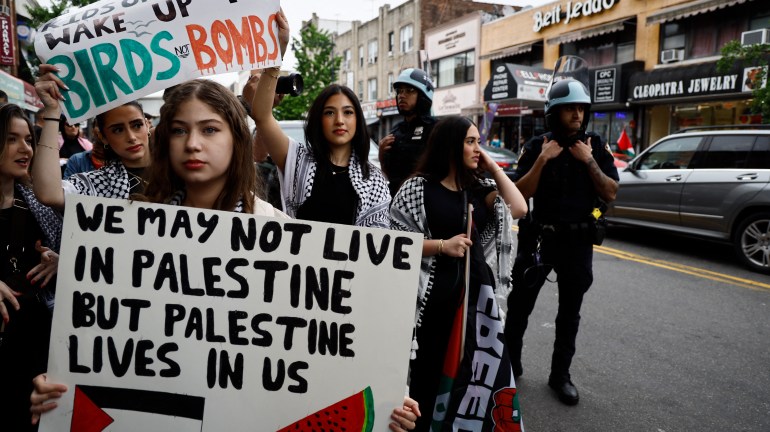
(675, 336)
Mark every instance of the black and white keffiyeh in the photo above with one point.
(408, 214)
(110, 181)
(373, 193)
(49, 220)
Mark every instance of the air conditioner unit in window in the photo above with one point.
(753, 37)
(671, 55)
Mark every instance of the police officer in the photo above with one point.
(569, 173)
(401, 149)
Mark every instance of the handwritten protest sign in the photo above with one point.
(175, 318)
(115, 51)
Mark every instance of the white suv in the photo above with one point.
(708, 183)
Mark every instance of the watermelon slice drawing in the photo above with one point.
(352, 414)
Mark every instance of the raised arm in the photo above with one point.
(505, 187)
(261, 100)
(46, 172)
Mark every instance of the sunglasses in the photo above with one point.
(72, 125)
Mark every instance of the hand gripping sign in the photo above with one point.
(179, 319)
(115, 51)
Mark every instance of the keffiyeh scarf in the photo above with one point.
(408, 214)
(111, 181)
(373, 193)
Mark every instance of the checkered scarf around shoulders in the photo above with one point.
(373, 193)
(110, 181)
(407, 213)
(49, 220)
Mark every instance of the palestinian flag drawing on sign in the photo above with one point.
(96, 408)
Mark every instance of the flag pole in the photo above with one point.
(467, 281)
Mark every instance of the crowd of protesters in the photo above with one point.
(436, 181)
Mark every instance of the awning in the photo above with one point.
(603, 29)
(511, 83)
(507, 52)
(678, 12)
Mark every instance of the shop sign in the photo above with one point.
(387, 107)
(573, 10)
(13, 87)
(369, 109)
(511, 81)
(7, 36)
(461, 37)
(452, 101)
(686, 82)
(604, 89)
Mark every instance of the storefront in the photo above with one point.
(674, 98)
(610, 112)
(516, 94)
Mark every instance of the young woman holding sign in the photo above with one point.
(202, 158)
(124, 132)
(26, 270)
(202, 154)
(444, 201)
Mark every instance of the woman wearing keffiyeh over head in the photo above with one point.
(462, 380)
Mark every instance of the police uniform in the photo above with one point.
(561, 221)
(411, 139)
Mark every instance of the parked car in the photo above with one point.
(504, 158)
(708, 183)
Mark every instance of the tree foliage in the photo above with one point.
(40, 14)
(318, 66)
(750, 56)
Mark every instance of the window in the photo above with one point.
(760, 154)
(360, 90)
(350, 80)
(360, 56)
(371, 86)
(346, 59)
(390, 84)
(457, 69)
(407, 32)
(672, 154)
(704, 35)
(611, 48)
(391, 43)
(728, 151)
(373, 48)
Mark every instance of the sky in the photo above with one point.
(362, 10)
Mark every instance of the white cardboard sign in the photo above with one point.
(175, 318)
(115, 51)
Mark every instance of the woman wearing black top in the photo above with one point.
(26, 270)
(328, 178)
(435, 203)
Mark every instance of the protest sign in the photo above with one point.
(115, 51)
(176, 318)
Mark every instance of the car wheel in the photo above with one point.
(752, 242)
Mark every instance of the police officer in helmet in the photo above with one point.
(569, 173)
(401, 149)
